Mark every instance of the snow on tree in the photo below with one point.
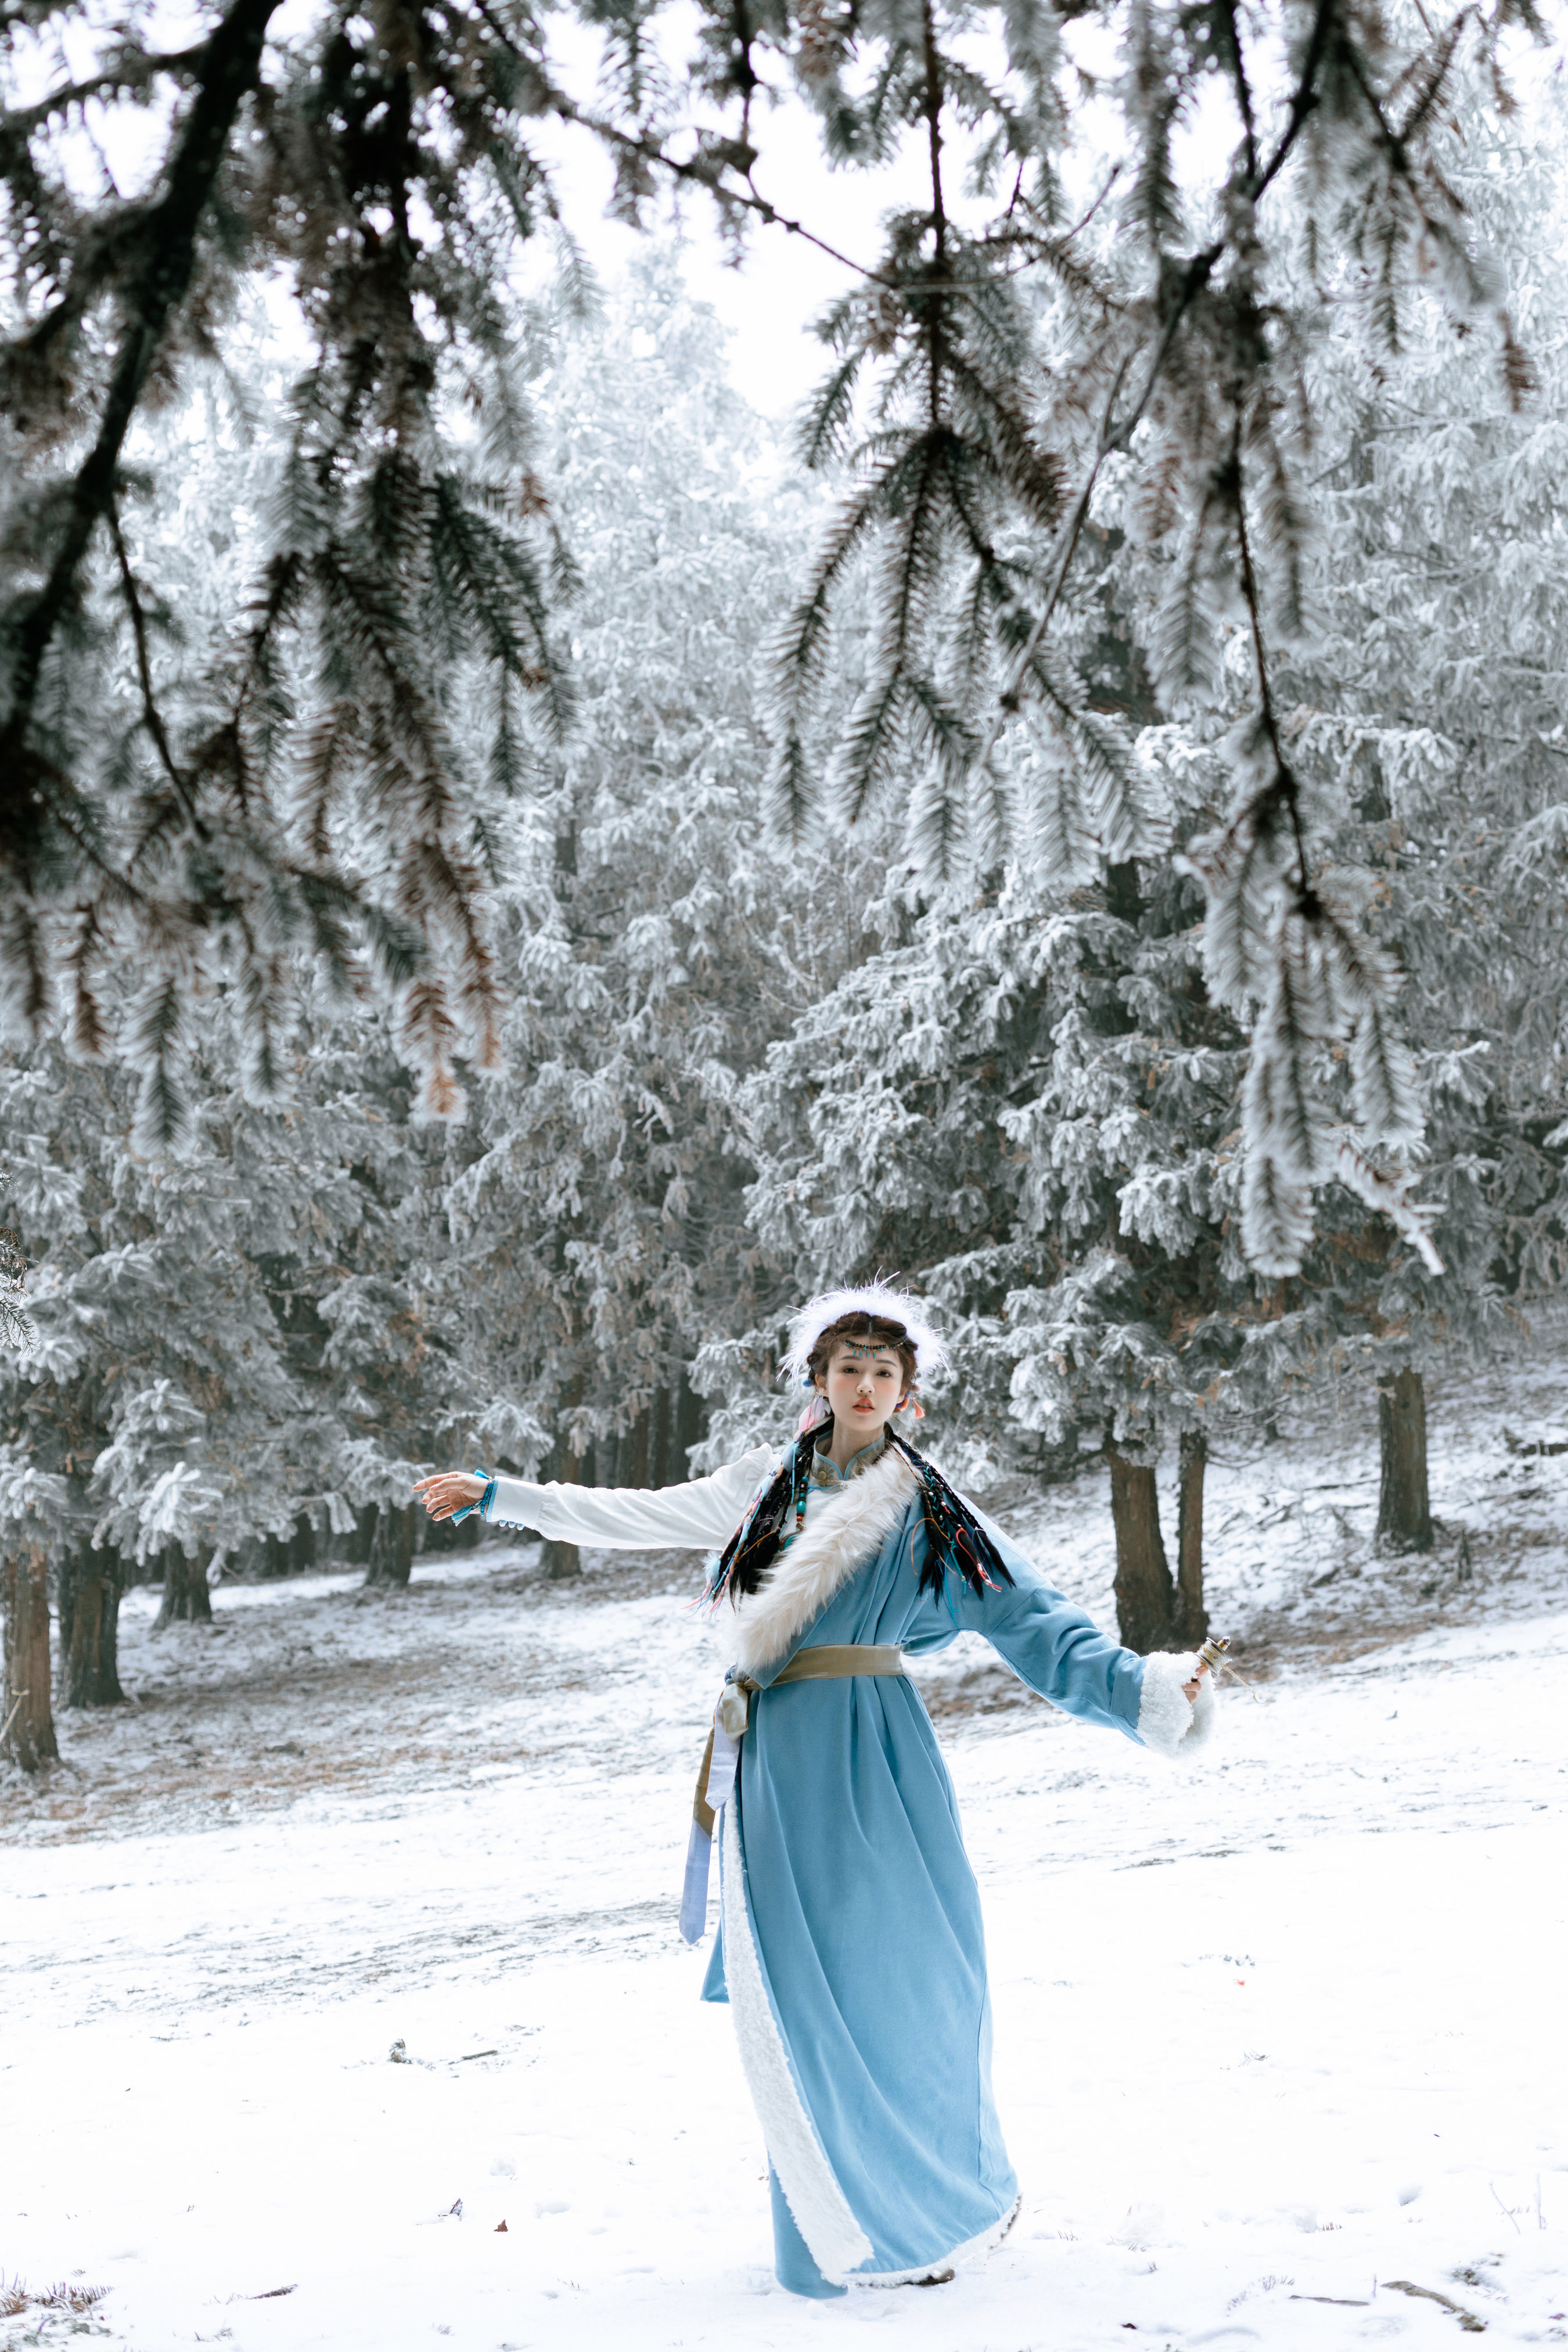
(1030, 1105)
(303, 794)
(293, 795)
(276, 1327)
(17, 1326)
(1425, 709)
(230, 1343)
(1033, 1104)
(651, 937)
(1170, 360)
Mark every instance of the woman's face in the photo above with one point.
(864, 1385)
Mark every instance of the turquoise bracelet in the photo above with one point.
(486, 1500)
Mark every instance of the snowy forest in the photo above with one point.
(523, 859)
(735, 1066)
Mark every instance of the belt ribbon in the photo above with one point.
(829, 1661)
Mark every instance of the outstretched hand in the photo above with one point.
(445, 1491)
(1193, 1688)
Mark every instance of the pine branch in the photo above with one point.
(867, 755)
(157, 285)
(130, 69)
(151, 717)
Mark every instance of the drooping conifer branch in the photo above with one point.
(393, 563)
(164, 245)
(1192, 366)
(989, 385)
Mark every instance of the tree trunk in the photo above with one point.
(1403, 1499)
(690, 1425)
(1144, 1594)
(91, 1585)
(638, 1477)
(659, 1472)
(185, 1598)
(392, 1545)
(27, 1719)
(1191, 1617)
(560, 1561)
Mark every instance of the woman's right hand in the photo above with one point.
(445, 1491)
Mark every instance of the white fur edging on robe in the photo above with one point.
(840, 1536)
(822, 2212)
(1169, 1722)
(850, 1528)
(842, 1533)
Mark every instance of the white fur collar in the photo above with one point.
(841, 1535)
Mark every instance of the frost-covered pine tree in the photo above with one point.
(1422, 709)
(1030, 1108)
(299, 792)
(1426, 708)
(1170, 353)
(239, 1348)
(651, 935)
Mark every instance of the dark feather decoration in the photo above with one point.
(752, 1549)
(954, 1536)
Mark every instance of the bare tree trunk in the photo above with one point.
(91, 1584)
(26, 1718)
(560, 1561)
(392, 1545)
(185, 1597)
(1191, 1619)
(1145, 1596)
(659, 1472)
(639, 1451)
(690, 1424)
(1403, 1499)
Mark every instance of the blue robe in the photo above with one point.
(852, 1950)
(850, 1904)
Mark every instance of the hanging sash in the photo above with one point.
(831, 1662)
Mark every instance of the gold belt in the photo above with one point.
(829, 1661)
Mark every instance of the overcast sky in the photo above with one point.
(783, 282)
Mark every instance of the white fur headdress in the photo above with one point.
(872, 1298)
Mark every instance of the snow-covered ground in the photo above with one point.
(1278, 2042)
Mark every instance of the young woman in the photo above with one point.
(851, 1948)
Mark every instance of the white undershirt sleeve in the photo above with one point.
(701, 1516)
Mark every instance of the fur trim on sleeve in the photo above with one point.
(1168, 1721)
